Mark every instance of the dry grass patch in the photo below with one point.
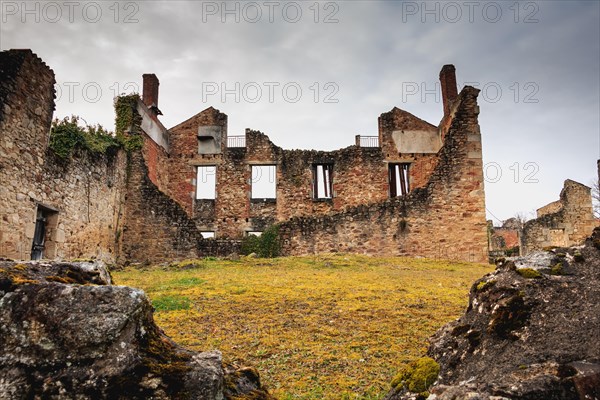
(326, 327)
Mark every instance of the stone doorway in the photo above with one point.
(43, 238)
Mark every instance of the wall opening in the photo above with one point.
(264, 182)
(206, 182)
(398, 179)
(44, 237)
(323, 181)
(254, 233)
(207, 234)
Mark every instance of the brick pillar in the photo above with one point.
(150, 92)
(448, 83)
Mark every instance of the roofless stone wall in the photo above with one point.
(79, 198)
(142, 206)
(444, 219)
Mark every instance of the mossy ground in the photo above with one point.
(322, 327)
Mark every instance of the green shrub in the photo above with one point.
(66, 135)
(266, 245)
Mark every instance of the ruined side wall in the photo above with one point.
(570, 225)
(444, 219)
(156, 228)
(504, 238)
(83, 192)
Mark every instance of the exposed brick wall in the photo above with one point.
(360, 176)
(445, 219)
(504, 238)
(571, 224)
(183, 156)
(85, 191)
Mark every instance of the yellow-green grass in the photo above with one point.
(321, 327)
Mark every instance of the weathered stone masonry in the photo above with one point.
(142, 206)
(562, 223)
(445, 218)
(442, 216)
(81, 199)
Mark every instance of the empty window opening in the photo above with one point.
(254, 233)
(207, 234)
(398, 179)
(263, 182)
(322, 181)
(206, 181)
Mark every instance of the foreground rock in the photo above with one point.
(531, 331)
(66, 333)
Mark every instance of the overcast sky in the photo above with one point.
(314, 74)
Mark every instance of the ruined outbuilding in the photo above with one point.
(415, 189)
(565, 222)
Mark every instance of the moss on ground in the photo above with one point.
(417, 376)
(320, 327)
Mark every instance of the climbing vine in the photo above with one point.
(128, 122)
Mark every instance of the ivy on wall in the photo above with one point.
(128, 122)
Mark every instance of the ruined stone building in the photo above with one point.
(415, 189)
(562, 223)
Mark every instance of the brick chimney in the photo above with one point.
(150, 93)
(448, 82)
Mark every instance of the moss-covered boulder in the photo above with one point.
(66, 333)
